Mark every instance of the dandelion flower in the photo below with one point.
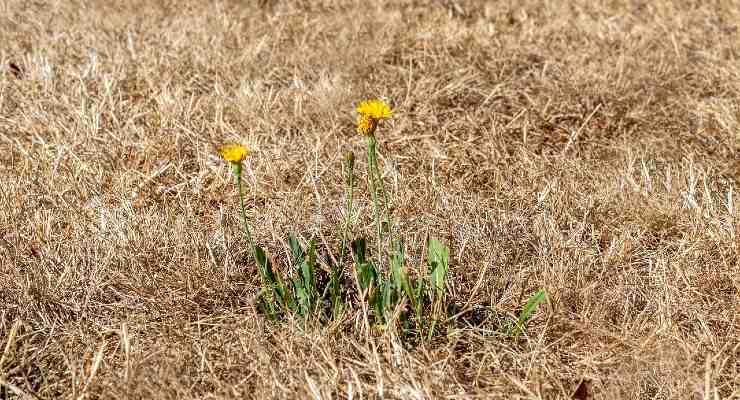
(371, 111)
(234, 153)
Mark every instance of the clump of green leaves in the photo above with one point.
(416, 305)
(273, 297)
(305, 296)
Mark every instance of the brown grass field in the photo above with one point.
(590, 148)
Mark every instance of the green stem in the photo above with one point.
(238, 175)
(372, 166)
(237, 168)
(386, 208)
(269, 279)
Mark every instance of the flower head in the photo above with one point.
(234, 153)
(371, 111)
(376, 109)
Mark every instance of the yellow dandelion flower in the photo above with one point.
(234, 153)
(371, 111)
(375, 109)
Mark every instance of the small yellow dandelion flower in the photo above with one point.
(234, 153)
(371, 111)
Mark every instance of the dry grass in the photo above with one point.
(588, 148)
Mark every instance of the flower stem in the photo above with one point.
(386, 209)
(372, 162)
(238, 176)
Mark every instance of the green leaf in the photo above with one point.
(308, 274)
(295, 249)
(527, 311)
(438, 258)
(359, 251)
(419, 299)
(367, 275)
(304, 285)
(270, 279)
(301, 303)
(366, 272)
(335, 292)
(398, 271)
(384, 301)
(264, 265)
(311, 253)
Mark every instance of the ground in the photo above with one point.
(588, 148)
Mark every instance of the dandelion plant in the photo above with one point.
(271, 300)
(371, 112)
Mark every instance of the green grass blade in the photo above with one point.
(527, 311)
